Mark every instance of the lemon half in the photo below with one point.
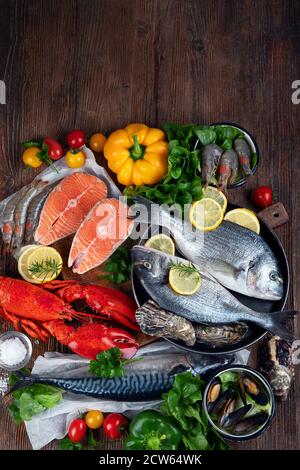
(245, 218)
(206, 214)
(184, 284)
(39, 264)
(162, 243)
(216, 195)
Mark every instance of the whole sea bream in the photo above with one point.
(236, 257)
(145, 379)
(211, 304)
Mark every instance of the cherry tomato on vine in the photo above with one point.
(77, 430)
(97, 142)
(115, 425)
(262, 196)
(76, 138)
(30, 157)
(75, 159)
(54, 148)
(94, 419)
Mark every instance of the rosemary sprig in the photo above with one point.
(185, 270)
(48, 266)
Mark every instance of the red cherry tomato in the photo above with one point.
(77, 430)
(76, 139)
(54, 148)
(115, 426)
(262, 196)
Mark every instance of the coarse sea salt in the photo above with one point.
(12, 351)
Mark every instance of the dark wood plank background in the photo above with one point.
(100, 64)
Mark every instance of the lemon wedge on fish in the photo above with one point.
(162, 243)
(39, 264)
(216, 195)
(206, 214)
(184, 279)
(245, 218)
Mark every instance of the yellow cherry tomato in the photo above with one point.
(75, 159)
(94, 419)
(30, 157)
(97, 142)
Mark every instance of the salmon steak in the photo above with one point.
(104, 229)
(67, 206)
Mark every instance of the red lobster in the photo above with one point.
(42, 313)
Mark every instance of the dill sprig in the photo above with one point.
(46, 267)
(185, 270)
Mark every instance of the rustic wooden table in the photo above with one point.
(100, 64)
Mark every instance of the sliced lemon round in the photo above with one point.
(23, 262)
(184, 283)
(44, 264)
(216, 195)
(162, 243)
(206, 214)
(245, 218)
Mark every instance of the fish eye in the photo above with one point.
(147, 265)
(274, 276)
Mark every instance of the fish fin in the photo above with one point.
(223, 268)
(23, 381)
(278, 325)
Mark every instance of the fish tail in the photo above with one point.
(23, 381)
(278, 324)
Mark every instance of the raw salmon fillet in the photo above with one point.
(67, 206)
(100, 234)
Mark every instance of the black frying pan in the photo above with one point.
(254, 333)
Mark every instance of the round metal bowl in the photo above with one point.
(27, 343)
(252, 144)
(266, 387)
(254, 333)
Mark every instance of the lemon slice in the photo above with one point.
(245, 218)
(162, 243)
(23, 262)
(216, 195)
(184, 282)
(206, 214)
(43, 264)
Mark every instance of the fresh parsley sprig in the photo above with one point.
(118, 267)
(109, 364)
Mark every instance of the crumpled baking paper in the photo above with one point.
(54, 423)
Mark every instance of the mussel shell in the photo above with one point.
(254, 389)
(242, 387)
(250, 423)
(213, 392)
(221, 401)
(231, 419)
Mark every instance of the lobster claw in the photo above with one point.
(90, 339)
(123, 340)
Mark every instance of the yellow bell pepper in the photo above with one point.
(137, 154)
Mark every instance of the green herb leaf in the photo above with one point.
(118, 267)
(109, 364)
(66, 444)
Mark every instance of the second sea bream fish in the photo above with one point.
(211, 304)
(145, 379)
(236, 257)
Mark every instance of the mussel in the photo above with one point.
(248, 384)
(250, 423)
(213, 393)
(231, 419)
(216, 406)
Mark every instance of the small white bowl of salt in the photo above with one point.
(15, 350)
